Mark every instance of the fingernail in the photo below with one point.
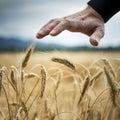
(37, 35)
(41, 32)
(94, 42)
(52, 32)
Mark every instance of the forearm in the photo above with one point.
(106, 8)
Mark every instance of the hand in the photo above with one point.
(88, 22)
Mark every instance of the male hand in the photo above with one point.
(88, 22)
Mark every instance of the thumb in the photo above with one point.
(96, 36)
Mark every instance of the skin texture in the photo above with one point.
(87, 21)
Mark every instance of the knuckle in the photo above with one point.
(101, 31)
(66, 23)
(55, 19)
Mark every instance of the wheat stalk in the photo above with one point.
(18, 115)
(64, 62)
(0, 81)
(13, 79)
(4, 72)
(27, 56)
(24, 109)
(109, 67)
(32, 90)
(43, 81)
(35, 116)
(111, 83)
(96, 76)
(85, 88)
(56, 87)
(7, 100)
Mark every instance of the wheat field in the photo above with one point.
(59, 85)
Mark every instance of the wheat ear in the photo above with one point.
(27, 56)
(0, 81)
(43, 81)
(64, 62)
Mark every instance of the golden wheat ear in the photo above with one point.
(28, 54)
(0, 80)
(64, 62)
(43, 81)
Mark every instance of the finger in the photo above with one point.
(63, 25)
(45, 30)
(96, 36)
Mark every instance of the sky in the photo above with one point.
(23, 18)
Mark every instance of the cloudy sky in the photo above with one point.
(23, 18)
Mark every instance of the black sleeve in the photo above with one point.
(106, 8)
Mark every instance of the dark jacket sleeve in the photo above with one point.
(106, 8)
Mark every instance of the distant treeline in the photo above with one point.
(74, 49)
(18, 45)
(77, 49)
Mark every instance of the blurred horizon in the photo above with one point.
(22, 20)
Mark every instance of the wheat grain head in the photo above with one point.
(64, 62)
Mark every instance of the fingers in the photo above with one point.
(63, 25)
(96, 36)
(46, 29)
